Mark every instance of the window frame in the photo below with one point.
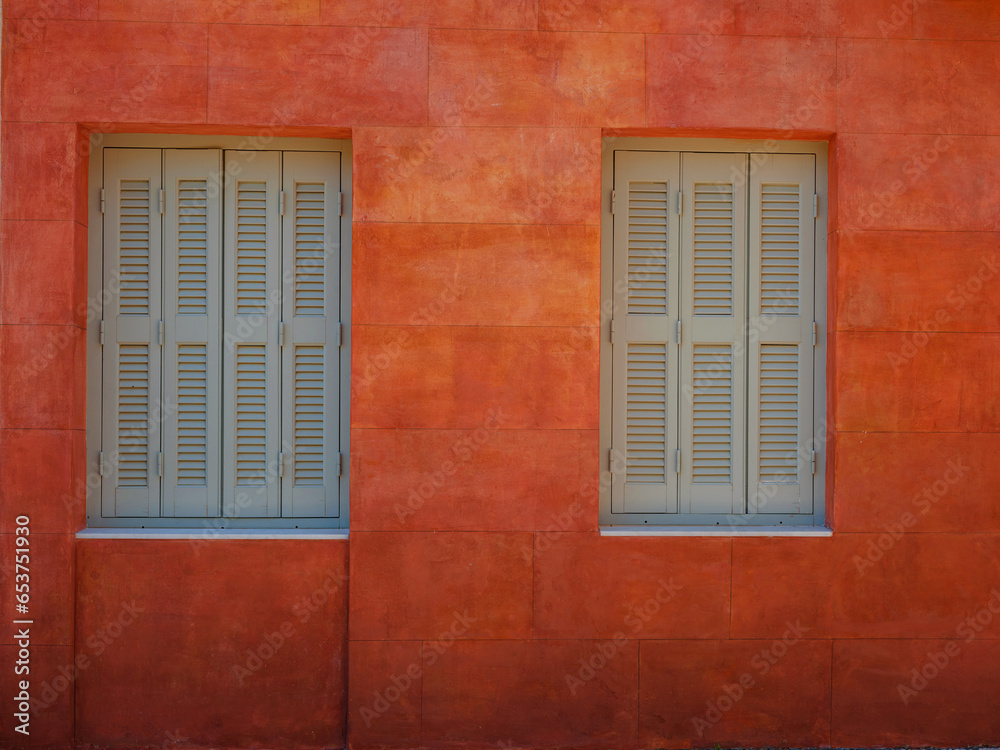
(94, 312)
(695, 524)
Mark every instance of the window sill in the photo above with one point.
(782, 531)
(209, 535)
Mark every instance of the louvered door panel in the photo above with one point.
(644, 363)
(131, 354)
(646, 414)
(192, 363)
(713, 404)
(310, 359)
(713, 252)
(712, 352)
(782, 249)
(252, 314)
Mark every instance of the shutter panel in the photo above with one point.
(192, 354)
(644, 359)
(782, 252)
(310, 379)
(131, 354)
(712, 352)
(252, 284)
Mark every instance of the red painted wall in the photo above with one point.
(477, 598)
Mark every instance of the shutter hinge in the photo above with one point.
(281, 203)
(281, 334)
(815, 205)
(100, 463)
(340, 464)
(613, 205)
(100, 332)
(677, 461)
(678, 330)
(340, 205)
(815, 333)
(612, 331)
(163, 201)
(161, 333)
(340, 335)
(281, 464)
(611, 460)
(680, 203)
(104, 201)
(812, 462)
(159, 464)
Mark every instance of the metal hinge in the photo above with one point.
(340, 205)
(161, 333)
(611, 460)
(104, 200)
(677, 461)
(163, 201)
(159, 464)
(680, 203)
(100, 463)
(812, 462)
(340, 464)
(613, 204)
(281, 334)
(281, 464)
(340, 335)
(815, 333)
(612, 331)
(815, 206)
(678, 330)
(100, 332)
(281, 202)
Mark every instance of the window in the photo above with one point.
(712, 353)
(218, 357)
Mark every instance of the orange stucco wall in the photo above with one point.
(489, 612)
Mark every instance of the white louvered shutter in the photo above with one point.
(644, 369)
(252, 263)
(192, 351)
(310, 359)
(782, 251)
(712, 352)
(131, 415)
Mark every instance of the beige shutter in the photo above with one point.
(252, 263)
(712, 352)
(132, 315)
(310, 357)
(192, 354)
(782, 251)
(644, 368)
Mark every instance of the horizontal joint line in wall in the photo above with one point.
(917, 432)
(939, 332)
(82, 328)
